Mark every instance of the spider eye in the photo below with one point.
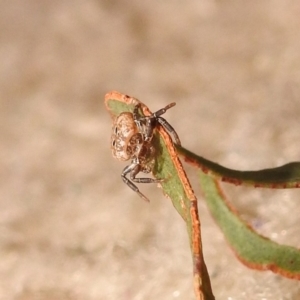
(113, 143)
(116, 130)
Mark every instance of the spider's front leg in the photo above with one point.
(137, 118)
(150, 122)
(146, 125)
(169, 128)
(133, 169)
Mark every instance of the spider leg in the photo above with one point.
(133, 169)
(137, 119)
(169, 128)
(155, 117)
(136, 112)
(128, 170)
(136, 170)
(163, 110)
(149, 121)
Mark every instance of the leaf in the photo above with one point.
(252, 249)
(286, 176)
(175, 186)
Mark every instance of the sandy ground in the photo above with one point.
(69, 228)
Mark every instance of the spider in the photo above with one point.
(132, 139)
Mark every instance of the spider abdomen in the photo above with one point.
(126, 139)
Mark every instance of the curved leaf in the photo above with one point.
(252, 249)
(286, 176)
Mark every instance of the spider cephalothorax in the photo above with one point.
(132, 139)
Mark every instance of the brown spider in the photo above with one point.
(132, 139)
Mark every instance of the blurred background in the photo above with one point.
(69, 228)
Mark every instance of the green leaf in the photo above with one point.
(252, 249)
(286, 176)
(176, 187)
